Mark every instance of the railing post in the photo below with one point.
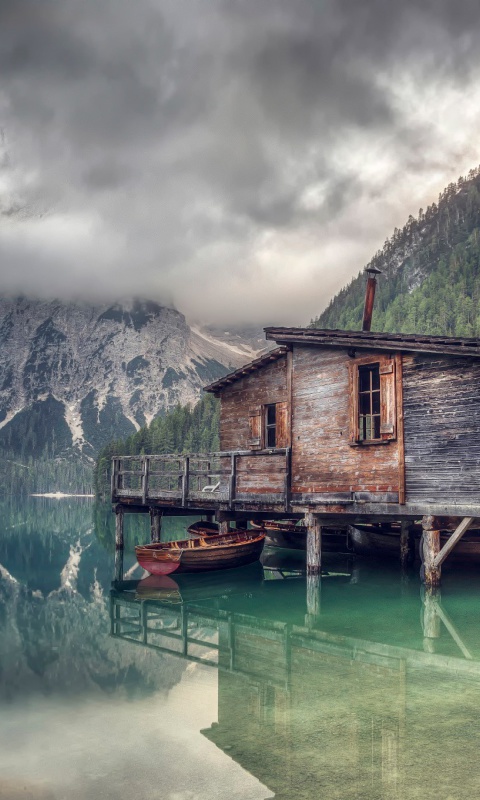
(233, 480)
(185, 480)
(145, 468)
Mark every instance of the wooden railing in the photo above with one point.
(223, 478)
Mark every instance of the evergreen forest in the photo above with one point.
(431, 272)
(183, 430)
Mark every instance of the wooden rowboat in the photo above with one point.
(225, 551)
(203, 528)
(286, 533)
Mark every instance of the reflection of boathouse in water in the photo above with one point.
(338, 428)
(344, 705)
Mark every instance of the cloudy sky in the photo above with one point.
(241, 159)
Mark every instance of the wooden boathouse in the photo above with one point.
(336, 427)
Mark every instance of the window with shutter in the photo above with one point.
(255, 423)
(388, 404)
(283, 434)
(373, 401)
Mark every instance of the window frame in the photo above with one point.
(269, 426)
(388, 400)
(258, 426)
(370, 394)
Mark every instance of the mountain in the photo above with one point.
(74, 376)
(431, 272)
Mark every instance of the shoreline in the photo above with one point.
(58, 495)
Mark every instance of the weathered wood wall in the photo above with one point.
(266, 385)
(442, 429)
(323, 461)
(260, 475)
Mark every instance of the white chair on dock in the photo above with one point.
(214, 487)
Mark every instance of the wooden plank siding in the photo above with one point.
(242, 402)
(442, 424)
(260, 474)
(323, 460)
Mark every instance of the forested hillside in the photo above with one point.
(23, 476)
(431, 272)
(183, 430)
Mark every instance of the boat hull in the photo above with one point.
(332, 541)
(385, 544)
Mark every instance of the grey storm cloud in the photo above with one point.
(224, 155)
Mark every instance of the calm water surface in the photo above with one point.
(231, 685)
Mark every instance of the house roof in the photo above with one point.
(252, 366)
(358, 340)
(370, 340)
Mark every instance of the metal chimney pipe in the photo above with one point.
(372, 272)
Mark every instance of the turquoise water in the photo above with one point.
(247, 684)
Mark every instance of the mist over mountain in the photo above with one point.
(430, 280)
(74, 376)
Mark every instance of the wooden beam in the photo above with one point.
(185, 480)
(118, 529)
(314, 544)
(155, 525)
(232, 486)
(407, 544)
(453, 632)
(452, 541)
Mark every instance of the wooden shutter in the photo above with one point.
(282, 426)
(388, 400)
(255, 423)
(353, 380)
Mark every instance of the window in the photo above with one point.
(369, 402)
(271, 425)
(373, 401)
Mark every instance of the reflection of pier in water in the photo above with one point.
(336, 706)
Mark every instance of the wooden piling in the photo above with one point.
(119, 529)
(119, 544)
(431, 618)
(314, 544)
(407, 544)
(155, 525)
(224, 518)
(119, 565)
(429, 548)
(224, 526)
(314, 588)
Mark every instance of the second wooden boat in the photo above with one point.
(225, 551)
(384, 542)
(203, 528)
(286, 533)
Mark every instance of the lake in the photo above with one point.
(227, 686)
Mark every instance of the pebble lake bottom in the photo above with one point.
(227, 687)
